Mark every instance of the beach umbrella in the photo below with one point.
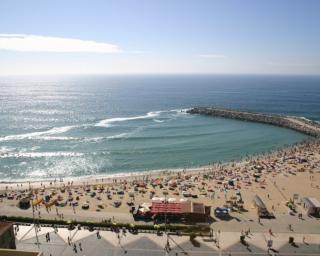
(146, 205)
(144, 210)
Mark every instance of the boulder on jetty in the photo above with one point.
(298, 124)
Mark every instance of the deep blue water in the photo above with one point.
(97, 125)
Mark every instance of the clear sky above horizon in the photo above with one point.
(159, 36)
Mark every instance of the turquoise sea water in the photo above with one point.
(53, 127)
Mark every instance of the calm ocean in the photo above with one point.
(53, 127)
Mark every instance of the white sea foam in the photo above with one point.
(118, 136)
(4, 149)
(93, 139)
(38, 154)
(48, 134)
(34, 135)
(54, 138)
(107, 122)
(158, 121)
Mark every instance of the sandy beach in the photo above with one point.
(275, 177)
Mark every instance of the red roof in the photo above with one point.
(177, 208)
(160, 208)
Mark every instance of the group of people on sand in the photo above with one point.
(214, 183)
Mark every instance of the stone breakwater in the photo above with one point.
(298, 124)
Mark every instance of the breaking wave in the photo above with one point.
(107, 122)
(118, 136)
(38, 154)
(49, 134)
(33, 135)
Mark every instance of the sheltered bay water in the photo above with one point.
(104, 126)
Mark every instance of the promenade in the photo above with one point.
(83, 242)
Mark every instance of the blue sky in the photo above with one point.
(153, 36)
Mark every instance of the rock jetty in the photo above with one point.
(298, 124)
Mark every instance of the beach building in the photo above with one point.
(190, 211)
(312, 205)
(7, 238)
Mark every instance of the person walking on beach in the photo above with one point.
(75, 248)
(270, 232)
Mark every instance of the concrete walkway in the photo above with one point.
(84, 242)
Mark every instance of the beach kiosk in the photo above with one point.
(189, 211)
(312, 205)
(261, 207)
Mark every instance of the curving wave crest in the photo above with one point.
(33, 135)
(107, 122)
(50, 134)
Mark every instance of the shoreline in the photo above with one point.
(282, 174)
(215, 112)
(277, 177)
(140, 176)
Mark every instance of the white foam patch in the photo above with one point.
(5, 150)
(54, 138)
(48, 134)
(38, 154)
(32, 135)
(107, 122)
(158, 121)
(118, 136)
